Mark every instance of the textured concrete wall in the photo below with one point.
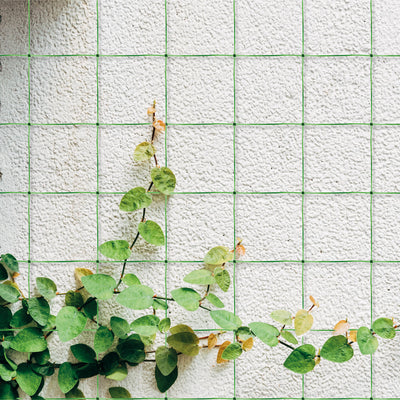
(268, 158)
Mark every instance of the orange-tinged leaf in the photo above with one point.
(224, 345)
(315, 303)
(159, 125)
(240, 250)
(151, 110)
(212, 341)
(353, 336)
(341, 327)
(248, 344)
(15, 275)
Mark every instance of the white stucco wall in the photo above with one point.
(268, 158)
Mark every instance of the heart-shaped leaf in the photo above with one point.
(83, 353)
(8, 292)
(136, 297)
(367, 342)
(383, 327)
(116, 249)
(28, 380)
(184, 342)
(120, 327)
(164, 180)
(187, 298)
(218, 255)
(135, 199)
(144, 151)
(265, 332)
(214, 300)
(282, 316)
(10, 262)
(39, 310)
(165, 382)
(303, 322)
(226, 319)
(70, 323)
(67, 377)
(231, 352)
(100, 285)
(200, 277)
(103, 339)
(151, 233)
(166, 359)
(29, 340)
(146, 325)
(337, 349)
(46, 287)
(301, 360)
(222, 278)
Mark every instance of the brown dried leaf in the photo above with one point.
(248, 344)
(353, 336)
(341, 327)
(159, 125)
(212, 341)
(224, 345)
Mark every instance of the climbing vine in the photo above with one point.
(121, 344)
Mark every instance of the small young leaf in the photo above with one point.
(282, 316)
(166, 359)
(120, 327)
(136, 297)
(39, 310)
(164, 180)
(367, 342)
(303, 322)
(341, 327)
(119, 393)
(218, 255)
(165, 382)
(46, 287)
(116, 249)
(301, 360)
(103, 339)
(214, 300)
(223, 346)
(100, 285)
(226, 319)
(383, 327)
(164, 325)
(231, 352)
(265, 332)
(151, 233)
(70, 323)
(135, 199)
(27, 380)
(83, 353)
(131, 279)
(289, 337)
(337, 349)
(146, 325)
(67, 377)
(8, 292)
(244, 332)
(144, 151)
(10, 262)
(222, 278)
(29, 340)
(187, 298)
(184, 342)
(200, 277)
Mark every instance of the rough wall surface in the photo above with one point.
(335, 153)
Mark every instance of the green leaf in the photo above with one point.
(9, 293)
(75, 393)
(215, 300)
(289, 337)
(282, 316)
(301, 360)
(222, 278)
(46, 287)
(20, 319)
(67, 377)
(70, 323)
(164, 180)
(164, 325)
(233, 351)
(187, 298)
(116, 249)
(27, 380)
(337, 349)
(83, 353)
(184, 342)
(135, 199)
(120, 327)
(303, 322)
(244, 333)
(132, 350)
(144, 151)
(181, 328)
(74, 299)
(226, 319)
(165, 382)
(90, 307)
(218, 255)
(200, 277)
(265, 332)
(5, 317)
(99, 285)
(3, 273)
(7, 374)
(8, 392)
(42, 357)
(146, 325)
(166, 359)
(39, 309)
(367, 342)
(29, 340)
(119, 393)
(9, 261)
(118, 373)
(131, 279)
(383, 327)
(159, 304)
(136, 297)
(151, 233)
(103, 339)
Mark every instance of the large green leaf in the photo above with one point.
(39, 309)
(146, 325)
(83, 353)
(67, 377)
(367, 342)
(20, 318)
(165, 382)
(337, 349)
(164, 179)
(218, 255)
(136, 297)
(383, 327)
(215, 300)
(166, 359)
(100, 285)
(232, 351)
(10, 262)
(120, 327)
(200, 277)
(103, 339)
(70, 323)
(46, 287)
(187, 298)
(9, 293)
(184, 342)
(132, 350)
(144, 151)
(226, 319)
(222, 278)
(29, 340)
(151, 233)
(116, 249)
(301, 360)
(119, 392)
(27, 380)
(265, 332)
(135, 199)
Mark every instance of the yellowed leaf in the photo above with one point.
(303, 321)
(159, 125)
(341, 327)
(317, 360)
(248, 344)
(353, 336)
(80, 272)
(151, 110)
(212, 341)
(240, 250)
(224, 345)
(315, 303)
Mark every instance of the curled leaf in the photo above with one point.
(159, 125)
(224, 345)
(240, 250)
(248, 344)
(212, 341)
(341, 327)
(151, 111)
